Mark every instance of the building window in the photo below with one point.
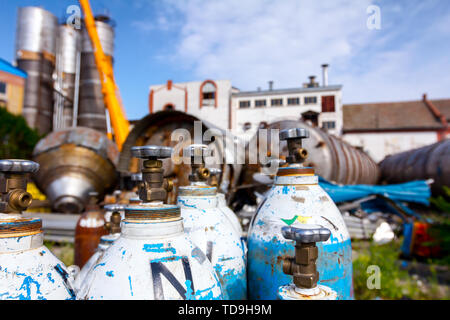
(310, 100)
(328, 104)
(329, 125)
(277, 102)
(244, 104)
(247, 126)
(208, 94)
(260, 103)
(2, 87)
(293, 101)
(168, 106)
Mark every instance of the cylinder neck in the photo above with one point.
(18, 233)
(152, 229)
(292, 175)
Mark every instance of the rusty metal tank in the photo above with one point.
(429, 162)
(332, 158)
(36, 34)
(91, 112)
(73, 163)
(156, 129)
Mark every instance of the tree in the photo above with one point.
(17, 139)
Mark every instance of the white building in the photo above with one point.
(218, 102)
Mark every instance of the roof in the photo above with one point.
(285, 91)
(443, 105)
(9, 68)
(407, 115)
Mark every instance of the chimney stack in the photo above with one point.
(270, 85)
(325, 74)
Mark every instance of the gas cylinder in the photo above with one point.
(90, 227)
(153, 258)
(113, 227)
(303, 265)
(222, 203)
(28, 270)
(296, 199)
(209, 228)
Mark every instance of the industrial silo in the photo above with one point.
(92, 112)
(35, 53)
(68, 47)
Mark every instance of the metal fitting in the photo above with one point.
(153, 186)
(113, 226)
(303, 265)
(294, 137)
(214, 176)
(14, 197)
(198, 153)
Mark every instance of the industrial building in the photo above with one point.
(382, 129)
(245, 111)
(12, 84)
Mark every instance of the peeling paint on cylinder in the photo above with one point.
(29, 271)
(152, 260)
(212, 231)
(267, 247)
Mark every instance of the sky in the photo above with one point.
(397, 55)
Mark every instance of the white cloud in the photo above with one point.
(253, 41)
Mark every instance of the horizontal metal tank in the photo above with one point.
(73, 163)
(331, 157)
(92, 111)
(35, 51)
(429, 162)
(156, 129)
(29, 271)
(153, 259)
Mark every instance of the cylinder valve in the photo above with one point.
(303, 265)
(294, 137)
(13, 185)
(154, 187)
(197, 154)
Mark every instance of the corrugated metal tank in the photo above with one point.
(68, 47)
(91, 112)
(331, 157)
(429, 162)
(35, 53)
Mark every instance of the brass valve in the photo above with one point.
(197, 154)
(113, 226)
(303, 265)
(14, 197)
(214, 177)
(294, 137)
(154, 187)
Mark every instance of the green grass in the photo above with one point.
(396, 283)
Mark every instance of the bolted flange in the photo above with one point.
(303, 265)
(153, 186)
(294, 137)
(198, 153)
(14, 197)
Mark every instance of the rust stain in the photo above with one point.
(302, 188)
(298, 199)
(324, 198)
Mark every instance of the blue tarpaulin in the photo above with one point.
(415, 191)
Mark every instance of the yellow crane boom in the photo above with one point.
(117, 116)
